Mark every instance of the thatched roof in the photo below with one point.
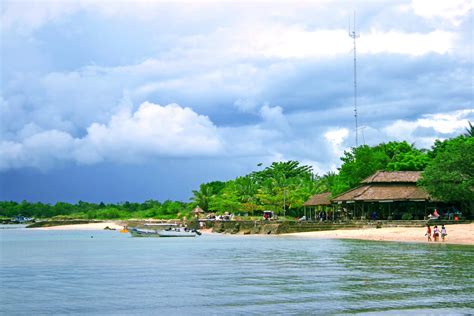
(393, 177)
(197, 209)
(384, 192)
(319, 199)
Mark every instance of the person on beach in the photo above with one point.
(435, 215)
(443, 232)
(374, 215)
(428, 232)
(435, 233)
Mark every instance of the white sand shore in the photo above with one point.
(457, 234)
(89, 226)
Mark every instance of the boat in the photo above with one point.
(170, 232)
(138, 232)
(178, 232)
(161, 225)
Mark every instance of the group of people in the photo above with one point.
(436, 232)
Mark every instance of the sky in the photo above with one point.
(133, 100)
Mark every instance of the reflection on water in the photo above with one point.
(111, 273)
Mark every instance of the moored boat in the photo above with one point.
(177, 232)
(170, 232)
(138, 232)
(161, 225)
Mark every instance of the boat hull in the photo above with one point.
(144, 233)
(162, 233)
(170, 233)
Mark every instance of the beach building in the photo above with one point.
(319, 203)
(387, 195)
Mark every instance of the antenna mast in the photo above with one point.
(354, 36)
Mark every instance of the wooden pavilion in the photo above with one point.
(319, 203)
(388, 195)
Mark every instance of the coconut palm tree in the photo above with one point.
(469, 130)
(201, 198)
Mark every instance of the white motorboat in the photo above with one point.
(161, 225)
(178, 232)
(169, 232)
(139, 232)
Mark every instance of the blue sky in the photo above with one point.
(135, 100)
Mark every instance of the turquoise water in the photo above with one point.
(68, 272)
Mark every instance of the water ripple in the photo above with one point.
(111, 274)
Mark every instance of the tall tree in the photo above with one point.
(363, 161)
(450, 175)
(206, 192)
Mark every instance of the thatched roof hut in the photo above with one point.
(377, 193)
(384, 186)
(198, 210)
(319, 199)
(393, 177)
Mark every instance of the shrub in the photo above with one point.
(407, 216)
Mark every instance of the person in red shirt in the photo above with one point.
(428, 232)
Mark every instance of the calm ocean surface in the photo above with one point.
(68, 272)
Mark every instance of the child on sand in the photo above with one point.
(428, 232)
(443, 232)
(435, 233)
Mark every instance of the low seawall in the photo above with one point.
(285, 227)
(275, 228)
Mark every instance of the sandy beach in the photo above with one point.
(89, 226)
(457, 234)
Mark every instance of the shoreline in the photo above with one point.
(88, 226)
(459, 234)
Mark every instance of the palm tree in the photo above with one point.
(202, 197)
(469, 130)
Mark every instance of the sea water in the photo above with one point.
(108, 273)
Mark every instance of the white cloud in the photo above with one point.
(41, 150)
(273, 40)
(274, 117)
(336, 139)
(26, 16)
(452, 10)
(275, 52)
(442, 123)
(415, 44)
(154, 131)
(151, 131)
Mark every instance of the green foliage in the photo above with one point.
(450, 175)
(85, 210)
(363, 161)
(410, 161)
(206, 192)
(407, 216)
(282, 185)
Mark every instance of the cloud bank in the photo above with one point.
(124, 85)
